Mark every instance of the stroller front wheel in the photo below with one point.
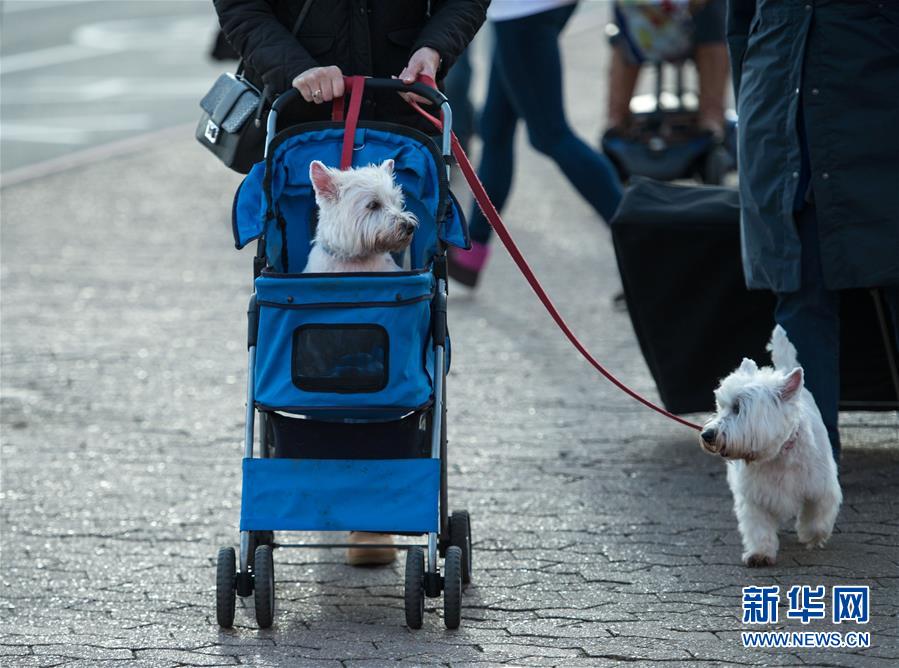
(414, 593)
(460, 535)
(452, 587)
(264, 586)
(225, 587)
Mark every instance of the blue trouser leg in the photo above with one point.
(811, 318)
(456, 86)
(497, 128)
(527, 69)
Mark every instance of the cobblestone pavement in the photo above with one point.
(602, 533)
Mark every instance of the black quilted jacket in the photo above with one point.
(367, 37)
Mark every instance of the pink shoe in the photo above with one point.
(465, 266)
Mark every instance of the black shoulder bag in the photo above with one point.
(231, 124)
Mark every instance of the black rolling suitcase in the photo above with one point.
(678, 250)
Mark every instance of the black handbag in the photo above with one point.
(231, 123)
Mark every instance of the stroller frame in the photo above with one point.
(248, 573)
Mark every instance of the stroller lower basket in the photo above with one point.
(297, 438)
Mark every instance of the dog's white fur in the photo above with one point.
(780, 464)
(361, 219)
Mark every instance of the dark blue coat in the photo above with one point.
(836, 62)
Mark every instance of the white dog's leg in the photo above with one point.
(758, 528)
(816, 519)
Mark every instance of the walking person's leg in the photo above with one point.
(530, 65)
(457, 85)
(497, 129)
(623, 76)
(712, 64)
(811, 318)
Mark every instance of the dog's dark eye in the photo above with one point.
(374, 205)
(736, 408)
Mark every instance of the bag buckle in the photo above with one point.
(212, 132)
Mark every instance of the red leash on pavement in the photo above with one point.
(493, 217)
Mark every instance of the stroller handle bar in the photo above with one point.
(431, 94)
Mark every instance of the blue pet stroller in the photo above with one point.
(347, 371)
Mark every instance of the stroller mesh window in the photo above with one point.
(340, 358)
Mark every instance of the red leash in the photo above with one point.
(354, 87)
(493, 217)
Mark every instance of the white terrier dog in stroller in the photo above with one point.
(780, 464)
(361, 219)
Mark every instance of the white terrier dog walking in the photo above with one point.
(361, 220)
(780, 463)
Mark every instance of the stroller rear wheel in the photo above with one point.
(460, 536)
(414, 593)
(264, 586)
(225, 587)
(452, 587)
(258, 538)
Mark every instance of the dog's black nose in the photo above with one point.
(408, 228)
(709, 435)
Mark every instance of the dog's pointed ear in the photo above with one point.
(748, 366)
(324, 182)
(388, 166)
(792, 384)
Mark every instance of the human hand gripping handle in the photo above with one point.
(425, 61)
(422, 66)
(323, 84)
(320, 84)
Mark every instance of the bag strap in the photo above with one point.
(296, 28)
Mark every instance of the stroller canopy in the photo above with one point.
(276, 200)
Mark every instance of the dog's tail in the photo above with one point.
(783, 353)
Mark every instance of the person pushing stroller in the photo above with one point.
(403, 38)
